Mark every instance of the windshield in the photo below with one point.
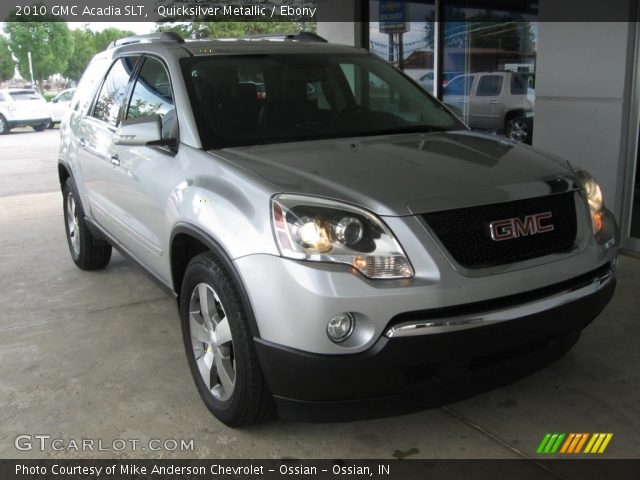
(255, 99)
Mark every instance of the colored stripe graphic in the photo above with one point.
(550, 443)
(574, 443)
(543, 443)
(598, 443)
(581, 443)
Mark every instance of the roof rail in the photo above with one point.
(166, 37)
(290, 37)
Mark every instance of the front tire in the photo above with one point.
(219, 345)
(87, 252)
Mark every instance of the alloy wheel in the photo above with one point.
(212, 342)
(518, 130)
(73, 229)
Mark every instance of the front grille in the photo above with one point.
(466, 235)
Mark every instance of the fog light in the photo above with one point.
(340, 327)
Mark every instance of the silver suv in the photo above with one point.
(339, 244)
(500, 101)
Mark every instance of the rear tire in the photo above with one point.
(87, 252)
(219, 345)
(517, 129)
(4, 126)
(43, 126)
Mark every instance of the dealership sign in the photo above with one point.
(393, 16)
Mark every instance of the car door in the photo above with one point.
(456, 95)
(485, 105)
(95, 141)
(141, 174)
(60, 105)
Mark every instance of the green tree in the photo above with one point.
(49, 42)
(105, 37)
(7, 65)
(83, 50)
(85, 45)
(198, 29)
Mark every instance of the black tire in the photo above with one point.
(518, 129)
(87, 252)
(249, 401)
(42, 127)
(51, 125)
(4, 126)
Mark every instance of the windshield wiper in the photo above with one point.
(405, 129)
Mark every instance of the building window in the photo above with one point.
(486, 52)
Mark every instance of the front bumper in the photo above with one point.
(399, 374)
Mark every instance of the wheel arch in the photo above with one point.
(64, 173)
(517, 112)
(186, 242)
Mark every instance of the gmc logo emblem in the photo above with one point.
(516, 227)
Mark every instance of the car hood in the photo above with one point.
(407, 174)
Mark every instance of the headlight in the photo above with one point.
(595, 200)
(321, 230)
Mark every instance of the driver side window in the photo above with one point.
(152, 95)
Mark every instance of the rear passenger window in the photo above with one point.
(152, 96)
(113, 91)
(489, 86)
(518, 84)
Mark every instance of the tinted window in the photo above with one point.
(113, 91)
(489, 86)
(152, 96)
(86, 88)
(305, 97)
(519, 84)
(1, 98)
(459, 86)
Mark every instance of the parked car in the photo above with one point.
(60, 106)
(21, 107)
(426, 80)
(338, 252)
(500, 101)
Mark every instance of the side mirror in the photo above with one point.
(55, 100)
(140, 132)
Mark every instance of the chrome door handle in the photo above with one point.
(495, 102)
(82, 142)
(115, 160)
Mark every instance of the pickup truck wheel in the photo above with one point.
(87, 252)
(219, 345)
(4, 126)
(518, 130)
(42, 127)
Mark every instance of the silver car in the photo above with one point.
(340, 245)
